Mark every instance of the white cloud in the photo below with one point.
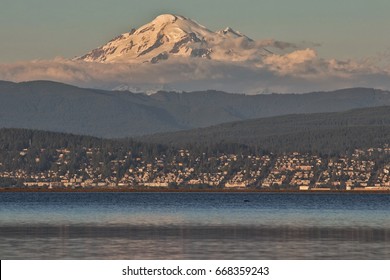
(294, 71)
(293, 63)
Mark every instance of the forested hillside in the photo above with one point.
(316, 133)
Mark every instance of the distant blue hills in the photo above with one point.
(57, 107)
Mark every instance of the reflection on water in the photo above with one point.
(194, 226)
(235, 242)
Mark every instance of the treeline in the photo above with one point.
(36, 151)
(18, 139)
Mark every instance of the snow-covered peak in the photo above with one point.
(171, 36)
(166, 18)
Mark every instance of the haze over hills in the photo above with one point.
(112, 114)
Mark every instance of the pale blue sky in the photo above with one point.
(44, 29)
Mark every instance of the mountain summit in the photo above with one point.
(173, 36)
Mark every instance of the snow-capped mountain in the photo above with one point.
(169, 36)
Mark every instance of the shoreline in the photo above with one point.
(164, 190)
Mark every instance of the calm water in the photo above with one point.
(194, 226)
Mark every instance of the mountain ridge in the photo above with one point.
(114, 114)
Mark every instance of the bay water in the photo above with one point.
(194, 226)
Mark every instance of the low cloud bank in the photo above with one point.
(298, 70)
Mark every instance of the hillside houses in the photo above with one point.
(361, 169)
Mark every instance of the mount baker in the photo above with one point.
(175, 53)
(173, 36)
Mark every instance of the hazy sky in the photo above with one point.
(44, 29)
